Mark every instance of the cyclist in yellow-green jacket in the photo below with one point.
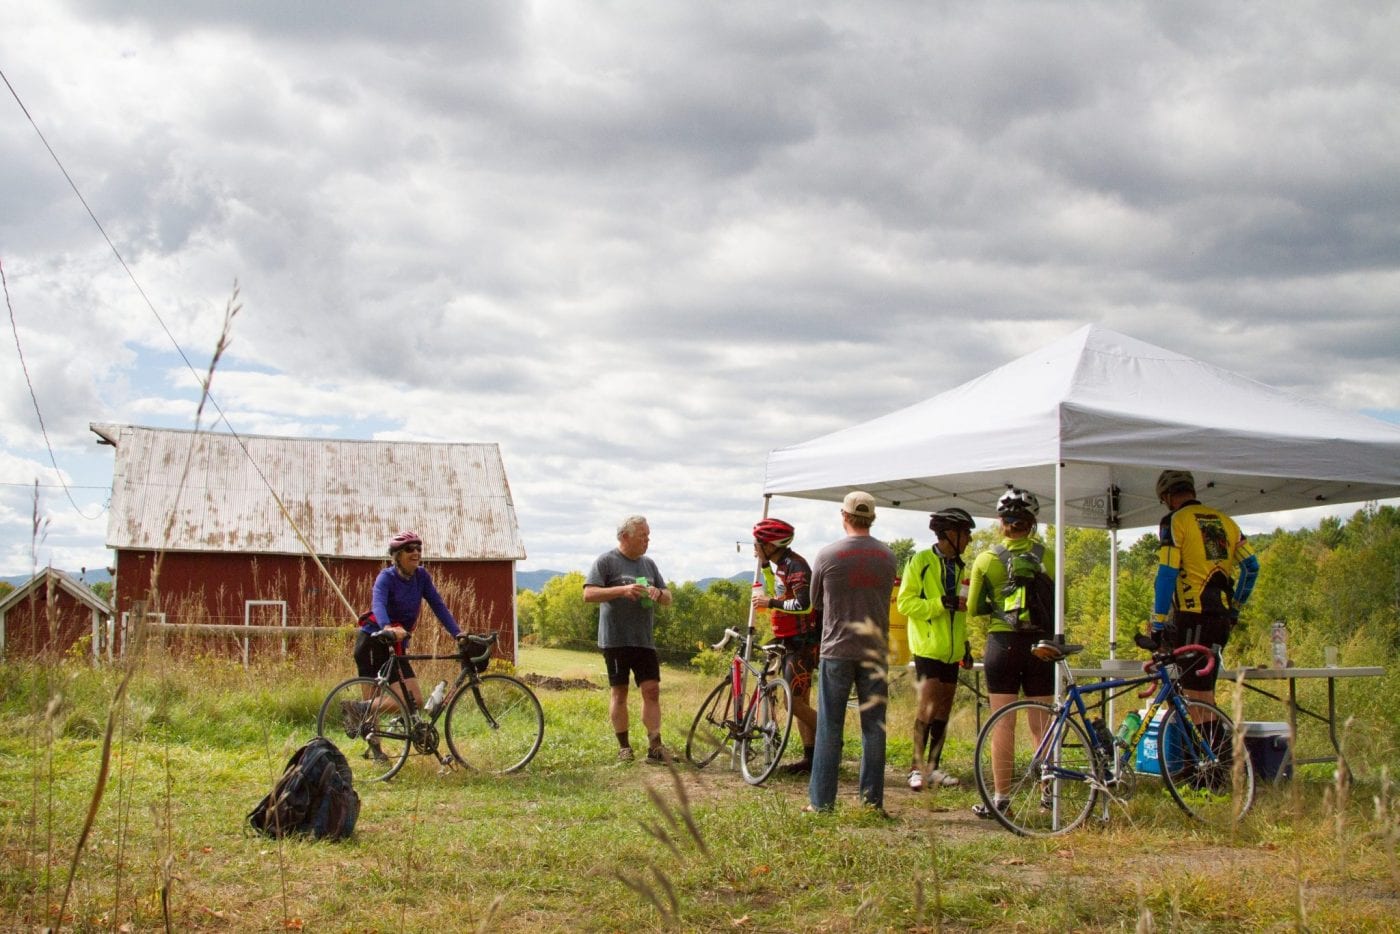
(933, 595)
(1011, 594)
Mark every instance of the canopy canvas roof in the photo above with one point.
(1112, 412)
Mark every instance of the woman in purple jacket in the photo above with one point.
(399, 592)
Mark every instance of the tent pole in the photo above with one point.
(1113, 593)
(1112, 610)
(757, 562)
(1059, 564)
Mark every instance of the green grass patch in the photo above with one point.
(581, 842)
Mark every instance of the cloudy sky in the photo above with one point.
(640, 244)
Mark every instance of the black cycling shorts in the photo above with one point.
(800, 662)
(642, 662)
(925, 668)
(371, 654)
(1208, 629)
(1012, 669)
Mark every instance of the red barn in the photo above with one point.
(49, 615)
(233, 522)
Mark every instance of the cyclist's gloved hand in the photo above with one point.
(1234, 615)
(967, 655)
(1156, 635)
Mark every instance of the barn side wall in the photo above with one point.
(32, 632)
(213, 588)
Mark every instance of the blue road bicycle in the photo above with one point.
(1054, 763)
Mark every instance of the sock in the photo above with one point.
(807, 753)
(920, 739)
(654, 741)
(623, 741)
(937, 729)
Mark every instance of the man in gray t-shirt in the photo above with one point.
(852, 582)
(628, 585)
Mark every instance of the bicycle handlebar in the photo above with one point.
(728, 635)
(1176, 655)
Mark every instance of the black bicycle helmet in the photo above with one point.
(947, 520)
(1018, 504)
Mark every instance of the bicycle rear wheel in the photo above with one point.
(765, 733)
(1200, 766)
(709, 731)
(369, 725)
(495, 725)
(1047, 794)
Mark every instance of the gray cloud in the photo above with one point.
(642, 244)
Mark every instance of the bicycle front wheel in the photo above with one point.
(495, 725)
(709, 731)
(1045, 787)
(1201, 767)
(765, 732)
(369, 725)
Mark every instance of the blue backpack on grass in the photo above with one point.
(314, 796)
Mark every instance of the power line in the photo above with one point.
(204, 382)
(34, 398)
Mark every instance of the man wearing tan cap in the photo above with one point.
(851, 584)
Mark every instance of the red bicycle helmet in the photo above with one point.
(774, 532)
(402, 539)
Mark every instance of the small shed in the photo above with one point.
(48, 615)
(231, 522)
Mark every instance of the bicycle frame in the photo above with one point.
(749, 711)
(1074, 705)
(740, 670)
(467, 676)
(1166, 673)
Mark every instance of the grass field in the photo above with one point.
(581, 842)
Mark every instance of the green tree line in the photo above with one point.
(1334, 585)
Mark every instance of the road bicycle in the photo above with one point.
(494, 721)
(755, 724)
(1054, 782)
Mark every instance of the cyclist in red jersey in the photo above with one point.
(787, 595)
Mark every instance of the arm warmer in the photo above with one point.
(1249, 573)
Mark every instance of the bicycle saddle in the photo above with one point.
(1054, 651)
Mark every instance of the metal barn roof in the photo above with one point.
(61, 582)
(347, 497)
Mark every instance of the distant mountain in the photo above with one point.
(535, 580)
(92, 576)
(743, 579)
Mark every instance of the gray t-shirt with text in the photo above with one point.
(624, 622)
(852, 581)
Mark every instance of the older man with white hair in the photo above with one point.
(628, 585)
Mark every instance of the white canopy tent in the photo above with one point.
(1086, 424)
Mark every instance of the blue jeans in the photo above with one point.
(833, 690)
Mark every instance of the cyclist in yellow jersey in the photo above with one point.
(1009, 665)
(932, 597)
(1206, 571)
